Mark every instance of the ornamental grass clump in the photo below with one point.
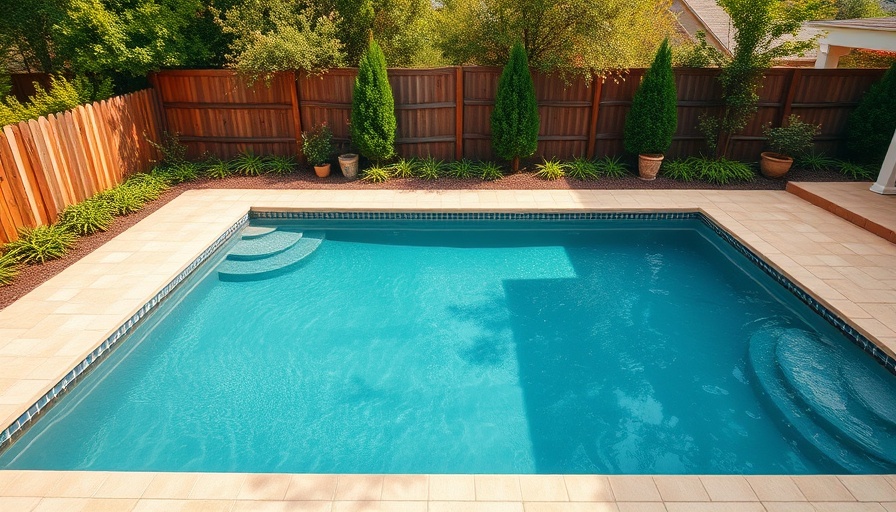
(430, 169)
(248, 164)
(462, 169)
(377, 174)
(515, 119)
(582, 169)
(404, 168)
(41, 244)
(489, 171)
(9, 269)
(373, 122)
(550, 170)
(87, 217)
(611, 167)
(279, 165)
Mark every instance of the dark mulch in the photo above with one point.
(33, 275)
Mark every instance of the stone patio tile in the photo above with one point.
(822, 488)
(543, 488)
(681, 488)
(405, 488)
(869, 487)
(359, 487)
(311, 487)
(588, 488)
(775, 488)
(262, 487)
(497, 488)
(452, 488)
(634, 488)
(728, 488)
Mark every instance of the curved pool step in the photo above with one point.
(251, 232)
(811, 419)
(264, 246)
(272, 266)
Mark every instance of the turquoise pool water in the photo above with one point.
(477, 347)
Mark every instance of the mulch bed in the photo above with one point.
(33, 275)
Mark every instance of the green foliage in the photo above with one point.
(62, 95)
(404, 168)
(373, 123)
(713, 170)
(124, 200)
(550, 170)
(697, 54)
(217, 169)
(87, 217)
(171, 150)
(248, 164)
(851, 9)
(792, 139)
(764, 31)
(515, 118)
(402, 27)
(280, 165)
(430, 169)
(9, 269)
(150, 185)
(856, 171)
(679, 170)
(570, 38)
(41, 244)
(582, 169)
(5, 84)
(26, 32)
(612, 167)
(462, 169)
(652, 120)
(177, 173)
(281, 35)
(377, 174)
(317, 145)
(489, 171)
(815, 161)
(870, 126)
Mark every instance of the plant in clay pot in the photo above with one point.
(792, 139)
(317, 145)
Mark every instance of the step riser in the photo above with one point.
(268, 274)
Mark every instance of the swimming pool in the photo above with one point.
(608, 346)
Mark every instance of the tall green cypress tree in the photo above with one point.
(870, 126)
(651, 122)
(515, 118)
(373, 122)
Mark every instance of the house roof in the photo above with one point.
(887, 24)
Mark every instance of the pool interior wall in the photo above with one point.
(514, 411)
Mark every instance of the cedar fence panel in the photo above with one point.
(51, 162)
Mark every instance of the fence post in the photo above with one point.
(296, 110)
(459, 113)
(791, 92)
(596, 89)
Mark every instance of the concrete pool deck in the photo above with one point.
(46, 333)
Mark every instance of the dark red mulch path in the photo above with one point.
(32, 276)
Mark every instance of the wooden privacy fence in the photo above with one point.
(445, 112)
(51, 162)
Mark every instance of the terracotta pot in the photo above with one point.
(774, 165)
(649, 166)
(322, 171)
(349, 165)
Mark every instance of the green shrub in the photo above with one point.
(489, 171)
(651, 122)
(582, 169)
(376, 174)
(430, 169)
(87, 217)
(679, 170)
(41, 244)
(62, 95)
(815, 161)
(317, 145)
(857, 171)
(612, 167)
(373, 123)
(124, 200)
(216, 168)
(171, 150)
(550, 170)
(177, 173)
(149, 186)
(870, 126)
(515, 118)
(9, 269)
(404, 168)
(462, 169)
(720, 171)
(792, 139)
(248, 164)
(280, 165)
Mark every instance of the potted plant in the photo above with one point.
(317, 144)
(786, 141)
(652, 120)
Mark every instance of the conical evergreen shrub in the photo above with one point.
(870, 127)
(515, 118)
(373, 122)
(651, 122)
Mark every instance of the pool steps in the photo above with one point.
(256, 231)
(264, 255)
(839, 407)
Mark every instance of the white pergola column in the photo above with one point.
(829, 55)
(886, 180)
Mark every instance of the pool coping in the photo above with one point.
(237, 204)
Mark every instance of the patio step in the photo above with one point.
(251, 232)
(264, 246)
(798, 379)
(272, 266)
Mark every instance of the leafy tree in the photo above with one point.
(849, 9)
(26, 33)
(871, 125)
(652, 120)
(62, 95)
(515, 118)
(572, 37)
(373, 121)
(765, 30)
(399, 26)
